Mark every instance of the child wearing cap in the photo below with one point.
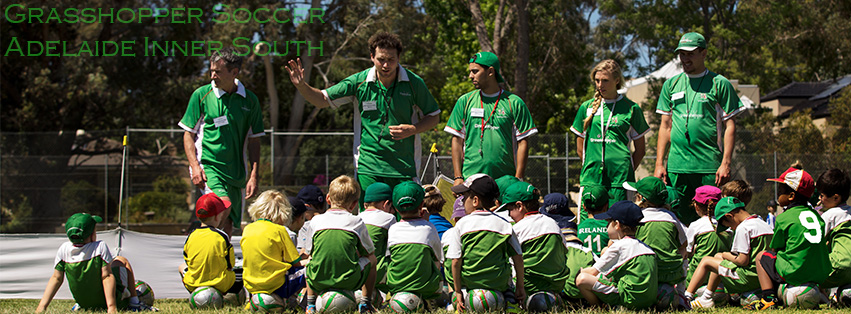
(735, 269)
(474, 267)
(835, 185)
(271, 262)
(592, 231)
(798, 251)
(660, 229)
(298, 218)
(378, 217)
(208, 253)
(577, 257)
(433, 203)
(540, 238)
(702, 239)
(414, 247)
(314, 200)
(91, 270)
(342, 253)
(626, 273)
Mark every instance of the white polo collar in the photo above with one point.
(611, 101)
(402, 75)
(240, 89)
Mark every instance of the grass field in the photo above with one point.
(175, 306)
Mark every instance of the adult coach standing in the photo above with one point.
(389, 102)
(696, 107)
(220, 118)
(490, 126)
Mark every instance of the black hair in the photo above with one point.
(800, 199)
(834, 181)
(385, 40)
(486, 201)
(232, 60)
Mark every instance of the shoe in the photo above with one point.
(702, 302)
(142, 307)
(310, 309)
(512, 307)
(365, 307)
(683, 303)
(76, 307)
(762, 304)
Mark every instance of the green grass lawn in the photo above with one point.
(169, 306)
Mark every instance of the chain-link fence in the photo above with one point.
(47, 176)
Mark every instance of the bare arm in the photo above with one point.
(405, 130)
(638, 154)
(254, 161)
(199, 179)
(456, 278)
(580, 149)
(50, 291)
(109, 289)
(519, 289)
(522, 157)
(458, 158)
(311, 94)
(662, 147)
(723, 173)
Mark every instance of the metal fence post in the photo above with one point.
(106, 189)
(327, 165)
(272, 155)
(566, 162)
(775, 173)
(549, 174)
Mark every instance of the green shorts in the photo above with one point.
(737, 279)
(685, 184)
(838, 277)
(222, 189)
(321, 285)
(366, 180)
(122, 287)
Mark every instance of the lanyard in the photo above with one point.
(484, 123)
(604, 128)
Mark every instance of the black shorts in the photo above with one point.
(768, 261)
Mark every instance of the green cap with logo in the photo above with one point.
(488, 59)
(377, 192)
(408, 196)
(503, 183)
(651, 188)
(594, 196)
(691, 41)
(80, 226)
(725, 206)
(520, 192)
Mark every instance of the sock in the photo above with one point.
(689, 295)
(311, 300)
(363, 300)
(708, 293)
(134, 300)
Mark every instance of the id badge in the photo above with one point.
(220, 121)
(477, 113)
(370, 105)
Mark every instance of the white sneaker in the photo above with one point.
(702, 302)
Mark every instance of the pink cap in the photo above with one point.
(705, 193)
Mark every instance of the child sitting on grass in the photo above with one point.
(208, 252)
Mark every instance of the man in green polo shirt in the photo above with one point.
(220, 118)
(490, 126)
(392, 105)
(695, 106)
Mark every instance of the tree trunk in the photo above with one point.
(521, 69)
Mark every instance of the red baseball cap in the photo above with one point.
(211, 204)
(799, 180)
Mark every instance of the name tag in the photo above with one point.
(477, 112)
(370, 105)
(679, 95)
(220, 121)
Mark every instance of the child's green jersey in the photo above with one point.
(663, 232)
(449, 236)
(82, 265)
(576, 258)
(801, 246)
(631, 266)
(751, 237)
(592, 233)
(543, 253)
(485, 245)
(702, 241)
(415, 250)
(837, 226)
(378, 223)
(338, 242)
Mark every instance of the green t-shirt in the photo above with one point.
(507, 120)
(415, 250)
(339, 240)
(378, 107)
(83, 266)
(450, 236)
(378, 223)
(576, 258)
(592, 232)
(486, 244)
(631, 266)
(700, 103)
(837, 222)
(662, 232)
(222, 122)
(543, 253)
(702, 241)
(801, 245)
(751, 237)
(624, 122)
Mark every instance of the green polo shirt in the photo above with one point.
(378, 107)
(700, 103)
(507, 120)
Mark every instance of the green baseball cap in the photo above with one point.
(377, 192)
(408, 196)
(80, 226)
(488, 59)
(520, 192)
(652, 188)
(691, 41)
(725, 206)
(595, 196)
(503, 183)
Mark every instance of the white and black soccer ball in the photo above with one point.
(236, 299)
(206, 298)
(806, 296)
(266, 303)
(484, 300)
(666, 295)
(720, 297)
(748, 297)
(336, 301)
(543, 301)
(405, 302)
(145, 292)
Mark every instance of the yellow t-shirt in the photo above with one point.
(209, 257)
(267, 253)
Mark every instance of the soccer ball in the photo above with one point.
(266, 303)
(405, 302)
(748, 297)
(543, 301)
(235, 299)
(144, 292)
(335, 301)
(806, 296)
(483, 300)
(666, 295)
(206, 298)
(719, 298)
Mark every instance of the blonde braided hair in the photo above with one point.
(614, 69)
